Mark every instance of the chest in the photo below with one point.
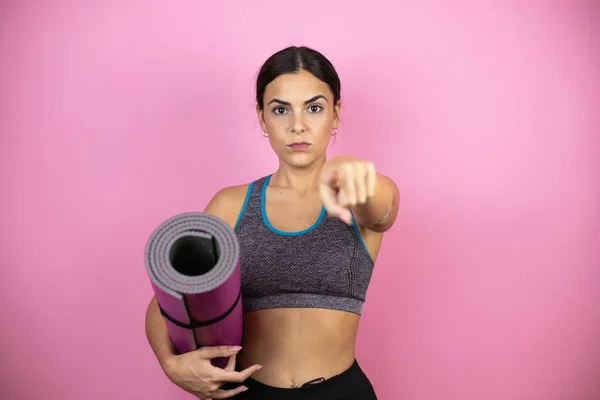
(290, 246)
(317, 261)
(290, 214)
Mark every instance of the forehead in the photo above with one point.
(296, 87)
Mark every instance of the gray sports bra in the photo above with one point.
(324, 266)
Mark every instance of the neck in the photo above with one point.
(298, 179)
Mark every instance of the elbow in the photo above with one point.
(389, 218)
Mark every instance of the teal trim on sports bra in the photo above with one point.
(271, 227)
(355, 226)
(245, 205)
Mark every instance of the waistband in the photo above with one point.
(330, 386)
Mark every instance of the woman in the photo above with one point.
(309, 235)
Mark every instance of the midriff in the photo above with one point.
(298, 345)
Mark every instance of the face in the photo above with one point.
(299, 116)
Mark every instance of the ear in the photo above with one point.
(336, 114)
(261, 118)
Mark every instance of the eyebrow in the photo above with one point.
(285, 103)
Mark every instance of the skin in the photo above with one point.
(283, 346)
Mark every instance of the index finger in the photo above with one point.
(225, 394)
(222, 375)
(327, 195)
(330, 202)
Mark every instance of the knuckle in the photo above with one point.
(201, 351)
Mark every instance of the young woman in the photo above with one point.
(309, 234)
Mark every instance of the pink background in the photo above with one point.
(116, 115)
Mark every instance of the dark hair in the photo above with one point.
(295, 59)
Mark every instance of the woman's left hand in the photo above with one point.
(344, 183)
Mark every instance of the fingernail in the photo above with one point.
(235, 349)
(259, 367)
(244, 389)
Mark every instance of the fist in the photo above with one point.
(346, 182)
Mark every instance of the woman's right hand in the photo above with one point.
(194, 373)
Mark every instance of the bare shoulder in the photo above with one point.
(227, 203)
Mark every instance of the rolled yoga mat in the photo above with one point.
(192, 260)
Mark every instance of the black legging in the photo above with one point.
(351, 384)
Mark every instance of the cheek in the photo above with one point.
(321, 124)
(276, 122)
(277, 128)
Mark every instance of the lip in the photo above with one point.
(299, 145)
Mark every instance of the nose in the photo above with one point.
(298, 124)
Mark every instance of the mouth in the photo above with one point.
(299, 145)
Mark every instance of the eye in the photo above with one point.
(315, 108)
(279, 110)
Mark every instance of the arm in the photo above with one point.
(158, 335)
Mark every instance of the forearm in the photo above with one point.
(158, 335)
(379, 212)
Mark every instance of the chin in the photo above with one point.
(300, 160)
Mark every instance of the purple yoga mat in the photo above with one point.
(192, 260)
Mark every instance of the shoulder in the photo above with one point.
(227, 203)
